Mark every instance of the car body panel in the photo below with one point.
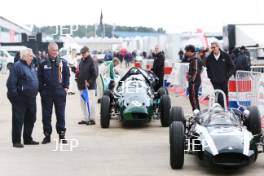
(223, 138)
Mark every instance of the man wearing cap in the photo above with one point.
(86, 80)
(194, 76)
(53, 74)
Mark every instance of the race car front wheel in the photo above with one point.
(177, 142)
(176, 114)
(105, 112)
(165, 106)
(162, 91)
(107, 93)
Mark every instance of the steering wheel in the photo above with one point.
(134, 71)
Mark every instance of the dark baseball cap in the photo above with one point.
(243, 48)
(84, 49)
(190, 48)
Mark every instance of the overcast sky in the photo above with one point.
(173, 15)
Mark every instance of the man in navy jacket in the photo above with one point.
(53, 74)
(22, 85)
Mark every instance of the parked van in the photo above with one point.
(12, 50)
(6, 59)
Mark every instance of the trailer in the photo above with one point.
(248, 35)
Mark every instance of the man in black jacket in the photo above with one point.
(22, 85)
(86, 79)
(194, 76)
(158, 66)
(219, 69)
(242, 61)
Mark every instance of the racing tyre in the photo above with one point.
(105, 112)
(253, 122)
(165, 106)
(177, 145)
(162, 91)
(107, 93)
(176, 114)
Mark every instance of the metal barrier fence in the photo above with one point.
(257, 69)
(175, 78)
(247, 84)
(249, 90)
(260, 100)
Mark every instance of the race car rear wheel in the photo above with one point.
(177, 145)
(105, 112)
(253, 122)
(165, 106)
(176, 114)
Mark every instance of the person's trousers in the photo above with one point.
(193, 90)
(127, 63)
(73, 85)
(89, 108)
(58, 99)
(224, 88)
(23, 113)
(160, 82)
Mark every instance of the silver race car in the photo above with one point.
(217, 135)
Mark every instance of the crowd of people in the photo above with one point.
(219, 64)
(240, 57)
(49, 75)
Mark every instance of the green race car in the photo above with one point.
(134, 99)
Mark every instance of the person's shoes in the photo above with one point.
(18, 145)
(46, 140)
(91, 122)
(31, 143)
(62, 139)
(83, 122)
(71, 93)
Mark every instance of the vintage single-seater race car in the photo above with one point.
(216, 135)
(133, 99)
